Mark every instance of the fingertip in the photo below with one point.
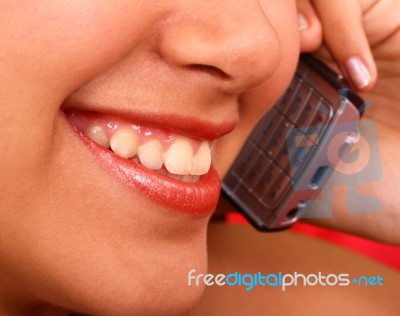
(310, 30)
(302, 22)
(347, 42)
(362, 74)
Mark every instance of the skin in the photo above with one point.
(71, 236)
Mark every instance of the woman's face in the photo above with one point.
(82, 227)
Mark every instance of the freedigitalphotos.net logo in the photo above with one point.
(281, 280)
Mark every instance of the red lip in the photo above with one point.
(198, 199)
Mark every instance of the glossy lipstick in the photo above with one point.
(199, 198)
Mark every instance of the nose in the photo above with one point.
(233, 41)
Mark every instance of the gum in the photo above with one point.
(84, 120)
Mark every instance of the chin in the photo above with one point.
(150, 279)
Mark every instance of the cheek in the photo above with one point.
(49, 49)
(283, 18)
(61, 44)
(253, 104)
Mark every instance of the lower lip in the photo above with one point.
(198, 199)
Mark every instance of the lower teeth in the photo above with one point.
(184, 178)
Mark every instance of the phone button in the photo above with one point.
(282, 159)
(275, 130)
(322, 115)
(246, 160)
(260, 166)
(295, 108)
(278, 140)
(283, 102)
(271, 186)
(266, 180)
(277, 190)
(309, 111)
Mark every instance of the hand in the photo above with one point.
(370, 31)
(340, 26)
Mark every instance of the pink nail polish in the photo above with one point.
(303, 24)
(358, 72)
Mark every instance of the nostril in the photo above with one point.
(211, 70)
(239, 52)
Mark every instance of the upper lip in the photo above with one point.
(191, 126)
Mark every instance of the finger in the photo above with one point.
(345, 38)
(309, 26)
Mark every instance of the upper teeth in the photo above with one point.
(175, 153)
(151, 154)
(98, 134)
(124, 143)
(202, 160)
(179, 156)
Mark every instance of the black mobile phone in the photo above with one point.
(294, 148)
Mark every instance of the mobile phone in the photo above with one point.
(290, 154)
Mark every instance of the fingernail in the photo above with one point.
(303, 24)
(358, 72)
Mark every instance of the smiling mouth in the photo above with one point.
(167, 167)
(167, 153)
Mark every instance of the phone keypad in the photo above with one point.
(278, 140)
(294, 109)
(308, 113)
(266, 181)
(246, 161)
(272, 197)
(265, 167)
(282, 158)
(277, 172)
(257, 171)
(266, 136)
